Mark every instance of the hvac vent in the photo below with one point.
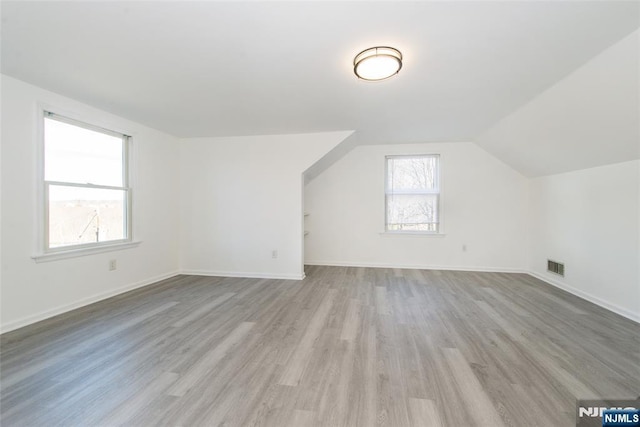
(555, 267)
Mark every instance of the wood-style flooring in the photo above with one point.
(344, 347)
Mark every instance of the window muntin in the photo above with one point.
(412, 195)
(86, 190)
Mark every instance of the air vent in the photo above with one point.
(555, 267)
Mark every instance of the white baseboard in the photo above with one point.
(574, 291)
(416, 267)
(28, 320)
(24, 321)
(586, 296)
(243, 274)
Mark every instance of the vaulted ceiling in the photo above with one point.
(245, 68)
(590, 118)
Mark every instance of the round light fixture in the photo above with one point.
(377, 63)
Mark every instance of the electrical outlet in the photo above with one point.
(464, 248)
(113, 265)
(274, 254)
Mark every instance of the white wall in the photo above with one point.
(484, 205)
(563, 128)
(241, 198)
(590, 220)
(33, 291)
(581, 138)
(221, 205)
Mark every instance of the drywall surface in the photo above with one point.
(563, 129)
(483, 213)
(241, 203)
(590, 220)
(32, 291)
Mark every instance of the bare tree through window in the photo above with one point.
(413, 193)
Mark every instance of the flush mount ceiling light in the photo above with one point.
(377, 63)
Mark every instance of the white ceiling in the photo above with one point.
(591, 118)
(243, 68)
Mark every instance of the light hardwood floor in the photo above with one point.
(344, 347)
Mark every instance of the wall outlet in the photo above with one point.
(274, 254)
(464, 248)
(113, 265)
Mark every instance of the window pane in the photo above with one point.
(412, 173)
(79, 215)
(412, 212)
(79, 155)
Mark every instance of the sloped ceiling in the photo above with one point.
(590, 118)
(246, 68)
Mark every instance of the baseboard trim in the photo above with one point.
(416, 267)
(588, 297)
(28, 320)
(555, 283)
(246, 275)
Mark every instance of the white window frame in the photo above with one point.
(439, 228)
(43, 251)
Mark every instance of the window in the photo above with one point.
(413, 193)
(87, 199)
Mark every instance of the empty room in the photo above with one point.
(320, 213)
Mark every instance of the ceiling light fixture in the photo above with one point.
(377, 63)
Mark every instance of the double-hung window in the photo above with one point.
(87, 199)
(413, 193)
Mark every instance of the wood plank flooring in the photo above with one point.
(344, 347)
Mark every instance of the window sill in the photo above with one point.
(410, 234)
(74, 253)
